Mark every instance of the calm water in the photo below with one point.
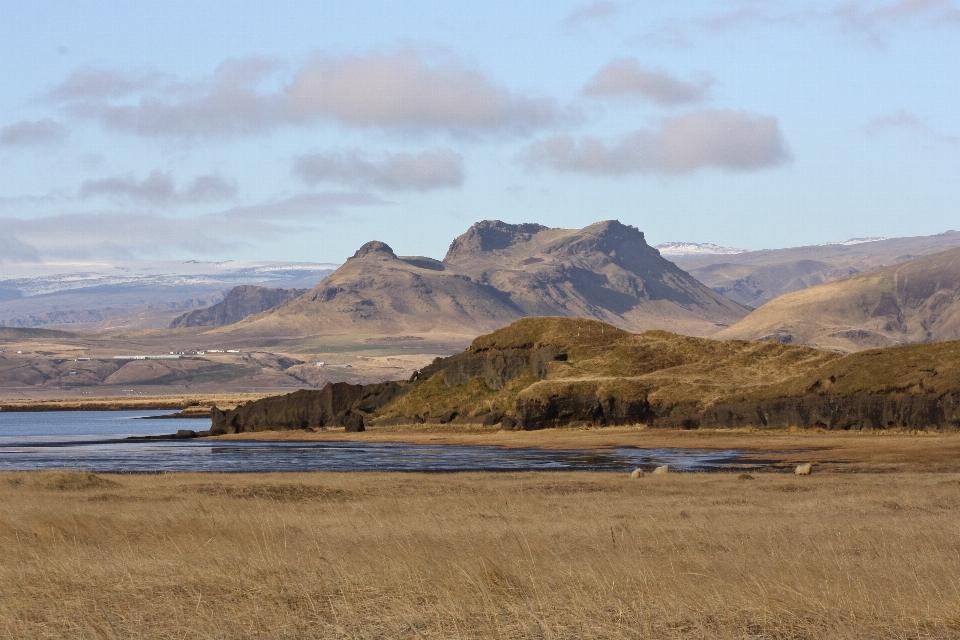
(94, 441)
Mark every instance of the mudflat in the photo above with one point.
(514, 555)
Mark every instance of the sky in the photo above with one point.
(297, 131)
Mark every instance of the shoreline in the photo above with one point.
(838, 452)
(829, 451)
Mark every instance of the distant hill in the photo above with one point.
(756, 277)
(917, 301)
(497, 272)
(239, 303)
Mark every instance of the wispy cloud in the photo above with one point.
(626, 78)
(31, 133)
(159, 188)
(872, 21)
(305, 206)
(868, 16)
(400, 91)
(586, 13)
(901, 119)
(724, 139)
(131, 233)
(425, 171)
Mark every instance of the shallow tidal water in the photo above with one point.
(96, 441)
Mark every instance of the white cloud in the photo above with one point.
(425, 171)
(724, 139)
(30, 133)
(586, 13)
(159, 188)
(227, 103)
(403, 91)
(626, 78)
(901, 119)
(399, 91)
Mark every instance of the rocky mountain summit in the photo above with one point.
(496, 273)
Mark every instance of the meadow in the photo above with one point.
(518, 555)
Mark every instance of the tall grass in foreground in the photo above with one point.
(563, 555)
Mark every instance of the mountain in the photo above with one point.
(239, 303)
(497, 272)
(917, 301)
(756, 277)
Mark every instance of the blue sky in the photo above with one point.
(298, 131)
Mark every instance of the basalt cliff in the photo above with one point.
(548, 372)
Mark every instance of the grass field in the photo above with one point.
(548, 555)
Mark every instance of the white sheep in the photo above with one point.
(637, 473)
(803, 469)
(663, 469)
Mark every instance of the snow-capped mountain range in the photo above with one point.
(695, 249)
(32, 279)
(851, 241)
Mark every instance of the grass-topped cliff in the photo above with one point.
(541, 372)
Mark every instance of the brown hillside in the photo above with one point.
(918, 301)
(496, 273)
(756, 277)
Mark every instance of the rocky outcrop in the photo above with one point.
(338, 404)
(497, 367)
(857, 412)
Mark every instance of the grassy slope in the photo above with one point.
(672, 369)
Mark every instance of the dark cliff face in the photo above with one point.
(241, 302)
(338, 404)
(856, 412)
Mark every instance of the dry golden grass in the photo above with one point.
(563, 555)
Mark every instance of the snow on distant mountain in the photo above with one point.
(32, 279)
(847, 243)
(695, 249)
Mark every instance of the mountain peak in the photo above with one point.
(373, 247)
(491, 235)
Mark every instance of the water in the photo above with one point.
(94, 441)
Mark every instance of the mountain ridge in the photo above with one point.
(497, 272)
